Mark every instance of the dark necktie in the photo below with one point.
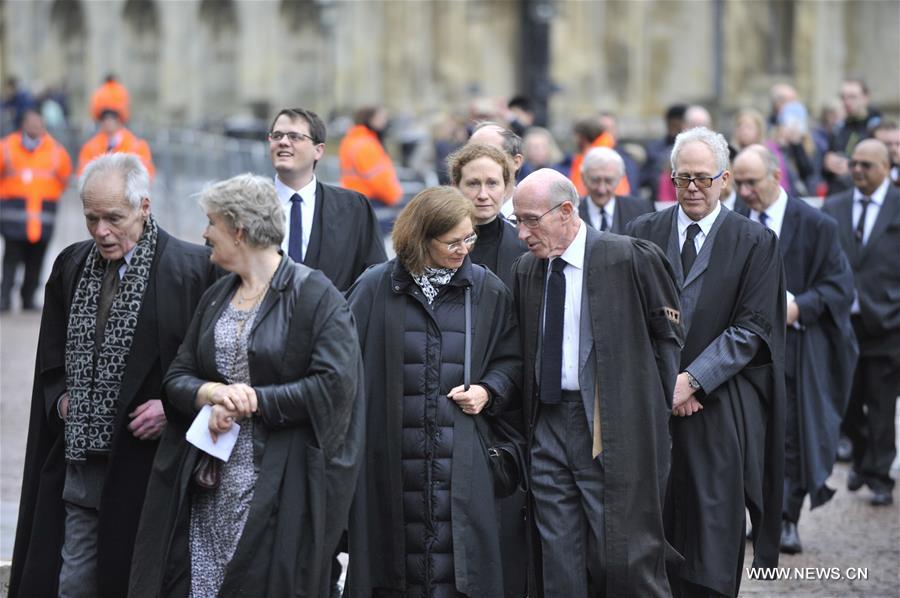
(764, 219)
(551, 347)
(689, 250)
(604, 225)
(108, 288)
(295, 233)
(860, 231)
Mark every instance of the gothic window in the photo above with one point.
(67, 27)
(219, 38)
(142, 54)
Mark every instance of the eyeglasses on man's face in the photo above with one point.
(455, 246)
(683, 182)
(292, 136)
(531, 221)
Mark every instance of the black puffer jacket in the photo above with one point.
(434, 343)
(424, 460)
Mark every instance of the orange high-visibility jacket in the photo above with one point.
(30, 186)
(604, 140)
(366, 167)
(129, 143)
(111, 96)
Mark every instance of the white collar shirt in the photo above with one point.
(874, 207)
(574, 274)
(594, 212)
(774, 213)
(307, 209)
(705, 223)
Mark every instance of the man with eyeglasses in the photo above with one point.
(601, 332)
(601, 172)
(728, 405)
(868, 219)
(330, 229)
(819, 285)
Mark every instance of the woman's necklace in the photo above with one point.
(241, 300)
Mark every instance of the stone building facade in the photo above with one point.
(196, 62)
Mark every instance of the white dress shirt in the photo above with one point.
(307, 209)
(574, 274)
(705, 223)
(774, 212)
(873, 209)
(594, 212)
(729, 201)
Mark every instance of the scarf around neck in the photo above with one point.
(431, 281)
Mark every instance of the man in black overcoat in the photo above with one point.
(116, 309)
(728, 429)
(868, 218)
(601, 172)
(819, 285)
(329, 228)
(601, 336)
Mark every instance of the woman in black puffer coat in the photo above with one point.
(424, 520)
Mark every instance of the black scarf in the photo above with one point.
(93, 377)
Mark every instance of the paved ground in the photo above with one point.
(845, 534)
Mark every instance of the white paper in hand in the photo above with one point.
(198, 435)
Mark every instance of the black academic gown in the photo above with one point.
(633, 304)
(818, 274)
(743, 418)
(180, 274)
(376, 532)
(497, 248)
(345, 238)
(306, 368)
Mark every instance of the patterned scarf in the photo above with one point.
(431, 281)
(93, 378)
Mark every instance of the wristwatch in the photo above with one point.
(693, 381)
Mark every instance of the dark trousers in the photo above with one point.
(794, 488)
(869, 420)
(567, 485)
(31, 255)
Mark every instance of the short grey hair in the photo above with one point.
(128, 166)
(561, 191)
(249, 203)
(765, 154)
(714, 141)
(602, 155)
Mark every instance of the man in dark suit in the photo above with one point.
(728, 429)
(819, 285)
(601, 172)
(330, 229)
(116, 309)
(868, 219)
(596, 411)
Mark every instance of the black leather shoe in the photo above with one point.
(790, 539)
(854, 481)
(844, 450)
(882, 498)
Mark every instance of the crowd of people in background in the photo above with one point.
(582, 374)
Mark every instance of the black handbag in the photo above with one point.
(503, 457)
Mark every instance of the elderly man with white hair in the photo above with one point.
(601, 172)
(728, 406)
(116, 309)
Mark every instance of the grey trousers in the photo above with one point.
(568, 495)
(78, 575)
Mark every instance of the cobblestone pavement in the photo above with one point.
(838, 538)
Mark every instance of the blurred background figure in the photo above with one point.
(448, 135)
(749, 129)
(601, 172)
(366, 166)
(888, 133)
(34, 170)
(631, 153)
(112, 137)
(656, 168)
(697, 116)
(520, 114)
(540, 150)
(496, 135)
(111, 95)
(859, 120)
(589, 133)
(16, 99)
